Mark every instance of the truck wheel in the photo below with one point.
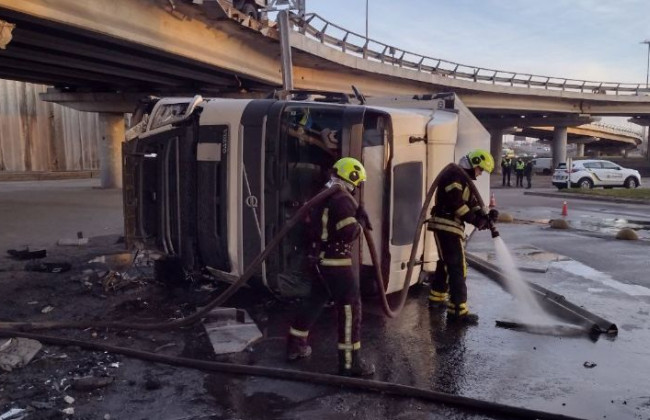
(546, 171)
(250, 10)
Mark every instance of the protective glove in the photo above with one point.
(493, 215)
(362, 218)
(482, 221)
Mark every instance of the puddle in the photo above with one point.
(526, 255)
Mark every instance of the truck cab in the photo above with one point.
(212, 181)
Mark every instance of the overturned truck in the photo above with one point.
(210, 182)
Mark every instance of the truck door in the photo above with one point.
(406, 168)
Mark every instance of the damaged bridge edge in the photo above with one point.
(554, 302)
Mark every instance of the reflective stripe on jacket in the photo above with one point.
(339, 228)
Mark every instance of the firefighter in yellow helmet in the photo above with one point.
(455, 205)
(335, 226)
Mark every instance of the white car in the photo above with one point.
(591, 173)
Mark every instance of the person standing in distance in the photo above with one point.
(336, 225)
(455, 205)
(506, 169)
(528, 173)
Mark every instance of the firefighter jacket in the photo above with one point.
(337, 228)
(455, 204)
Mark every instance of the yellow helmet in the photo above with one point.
(481, 158)
(350, 170)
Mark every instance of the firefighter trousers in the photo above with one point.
(451, 269)
(340, 284)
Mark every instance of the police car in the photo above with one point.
(591, 173)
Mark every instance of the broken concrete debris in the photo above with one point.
(230, 330)
(17, 352)
(13, 414)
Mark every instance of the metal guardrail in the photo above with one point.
(349, 42)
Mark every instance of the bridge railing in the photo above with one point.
(331, 34)
(636, 131)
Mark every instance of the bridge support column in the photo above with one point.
(580, 152)
(559, 145)
(110, 151)
(496, 147)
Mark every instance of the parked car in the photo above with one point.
(543, 165)
(591, 173)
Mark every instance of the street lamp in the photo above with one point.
(647, 74)
(647, 71)
(367, 27)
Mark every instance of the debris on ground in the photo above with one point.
(230, 330)
(13, 414)
(17, 352)
(589, 364)
(27, 254)
(88, 383)
(79, 240)
(52, 267)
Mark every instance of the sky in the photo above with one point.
(595, 40)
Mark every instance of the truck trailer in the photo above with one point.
(210, 181)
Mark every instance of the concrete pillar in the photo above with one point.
(580, 149)
(496, 147)
(110, 151)
(558, 149)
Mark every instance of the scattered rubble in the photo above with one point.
(27, 254)
(17, 352)
(230, 330)
(13, 414)
(49, 267)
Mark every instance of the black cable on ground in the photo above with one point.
(484, 407)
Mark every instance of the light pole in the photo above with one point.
(647, 71)
(367, 30)
(647, 76)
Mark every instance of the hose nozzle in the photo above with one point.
(493, 229)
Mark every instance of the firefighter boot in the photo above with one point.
(460, 314)
(297, 348)
(351, 364)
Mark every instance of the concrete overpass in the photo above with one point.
(103, 56)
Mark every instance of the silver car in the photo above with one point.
(591, 173)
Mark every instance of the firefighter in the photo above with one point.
(337, 224)
(455, 205)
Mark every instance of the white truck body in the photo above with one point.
(211, 181)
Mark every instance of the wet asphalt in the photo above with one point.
(573, 375)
